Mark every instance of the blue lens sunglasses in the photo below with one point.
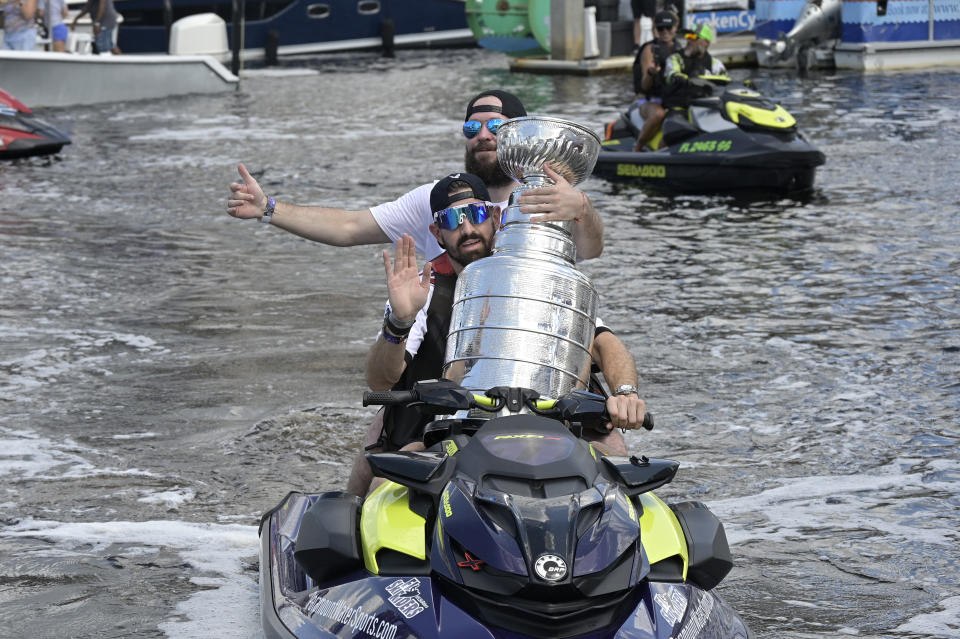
(451, 218)
(472, 127)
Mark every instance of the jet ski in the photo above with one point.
(731, 139)
(23, 134)
(506, 526)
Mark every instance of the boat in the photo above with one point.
(511, 526)
(302, 26)
(23, 134)
(733, 139)
(867, 36)
(72, 79)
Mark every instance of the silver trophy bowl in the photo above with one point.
(525, 316)
(525, 144)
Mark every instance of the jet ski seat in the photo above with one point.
(677, 127)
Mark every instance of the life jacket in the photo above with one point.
(679, 94)
(661, 51)
(404, 424)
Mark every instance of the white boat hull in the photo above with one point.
(63, 79)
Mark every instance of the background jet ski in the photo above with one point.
(732, 140)
(510, 526)
(23, 134)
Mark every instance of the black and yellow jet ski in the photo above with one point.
(732, 139)
(511, 527)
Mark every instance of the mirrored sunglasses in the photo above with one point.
(472, 127)
(451, 218)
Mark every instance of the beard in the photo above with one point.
(472, 255)
(490, 173)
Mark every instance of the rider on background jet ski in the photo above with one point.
(412, 345)
(648, 75)
(694, 61)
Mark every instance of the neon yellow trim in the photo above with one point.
(779, 118)
(593, 451)
(545, 404)
(386, 521)
(483, 400)
(450, 447)
(720, 78)
(657, 141)
(660, 532)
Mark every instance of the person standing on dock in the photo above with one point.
(411, 214)
(648, 78)
(643, 17)
(19, 29)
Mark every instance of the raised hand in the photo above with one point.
(246, 199)
(408, 288)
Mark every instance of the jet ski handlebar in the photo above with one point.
(446, 397)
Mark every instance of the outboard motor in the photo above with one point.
(525, 316)
(819, 22)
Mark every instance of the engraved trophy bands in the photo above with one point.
(525, 316)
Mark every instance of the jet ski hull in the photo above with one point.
(23, 134)
(716, 162)
(360, 604)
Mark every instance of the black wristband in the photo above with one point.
(394, 330)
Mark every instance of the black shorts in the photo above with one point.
(646, 8)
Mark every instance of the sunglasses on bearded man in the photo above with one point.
(472, 127)
(451, 218)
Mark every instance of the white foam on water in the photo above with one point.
(942, 623)
(66, 352)
(802, 503)
(24, 454)
(172, 499)
(277, 73)
(227, 603)
(147, 435)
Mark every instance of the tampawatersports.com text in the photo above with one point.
(355, 618)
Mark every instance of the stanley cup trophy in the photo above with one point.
(525, 316)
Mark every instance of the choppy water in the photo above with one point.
(168, 373)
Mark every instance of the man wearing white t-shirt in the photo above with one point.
(411, 213)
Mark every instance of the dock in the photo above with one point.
(733, 50)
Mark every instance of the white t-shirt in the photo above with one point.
(410, 213)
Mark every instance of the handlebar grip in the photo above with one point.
(648, 421)
(388, 398)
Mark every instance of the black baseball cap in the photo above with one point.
(665, 19)
(512, 106)
(439, 198)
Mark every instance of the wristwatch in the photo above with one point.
(268, 212)
(626, 389)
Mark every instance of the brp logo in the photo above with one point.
(550, 567)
